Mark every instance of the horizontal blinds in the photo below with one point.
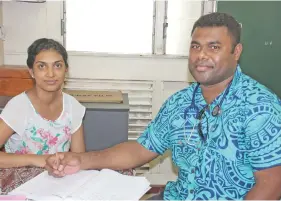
(139, 94)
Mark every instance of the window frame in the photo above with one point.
(159, 31)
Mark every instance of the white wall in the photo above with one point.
(1, 41)
(25, 22)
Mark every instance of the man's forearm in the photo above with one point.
(262, 192)
(122, 156)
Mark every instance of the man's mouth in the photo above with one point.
(203, 68)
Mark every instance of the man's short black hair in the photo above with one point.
(45, 44)
(220, 20)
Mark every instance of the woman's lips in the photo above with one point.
(51, 82)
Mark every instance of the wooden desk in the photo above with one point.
(11, 178)
(155, 189)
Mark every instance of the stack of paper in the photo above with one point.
(85, 185)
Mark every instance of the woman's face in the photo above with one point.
(49, 70)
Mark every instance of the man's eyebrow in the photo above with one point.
(195, 42)
(214, 42)
(210, 43)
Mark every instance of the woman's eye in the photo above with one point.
(41, 66)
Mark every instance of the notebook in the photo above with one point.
(12, 197)
(85, 185)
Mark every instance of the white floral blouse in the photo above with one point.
(36, 135)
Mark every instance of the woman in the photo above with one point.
(42, 120)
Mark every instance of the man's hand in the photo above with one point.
(61, 164)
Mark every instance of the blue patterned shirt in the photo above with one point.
(244, 138)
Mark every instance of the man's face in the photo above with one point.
(211, 59)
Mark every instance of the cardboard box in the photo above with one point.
(96, 96)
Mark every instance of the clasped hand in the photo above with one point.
(62, 164)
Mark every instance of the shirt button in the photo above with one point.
(198, 149)
(191, 191)
(192, 171)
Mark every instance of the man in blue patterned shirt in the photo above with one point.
(224, 131)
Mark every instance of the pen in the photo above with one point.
(57, 160)
(57, 156)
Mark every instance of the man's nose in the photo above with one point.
(203, 54)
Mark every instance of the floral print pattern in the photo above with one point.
(42, 136)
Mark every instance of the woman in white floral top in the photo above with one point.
(42, 120)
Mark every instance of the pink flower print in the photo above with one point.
(40, 131)
(43, 134)
(24, 150)
(46, 152)
(52, 141)
(67, 132)
(36, 145)
(39, 146)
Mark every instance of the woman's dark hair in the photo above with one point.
(45, 44)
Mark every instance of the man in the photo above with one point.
(224, 131)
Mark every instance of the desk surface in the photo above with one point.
(11, 178)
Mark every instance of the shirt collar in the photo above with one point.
(236, 78)
(234, 83)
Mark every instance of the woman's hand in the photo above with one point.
(38, 160)
(62, 164)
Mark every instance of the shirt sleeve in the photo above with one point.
(263, 136)
(78, 112)
(13, 114)
(156, 136)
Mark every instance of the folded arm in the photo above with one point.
(9, 160)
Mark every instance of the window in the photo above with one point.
(114, 26)
(181, 16)
(130, 26)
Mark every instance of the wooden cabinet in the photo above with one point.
(14, 80)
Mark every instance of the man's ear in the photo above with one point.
(31, 72)
(237, 51)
